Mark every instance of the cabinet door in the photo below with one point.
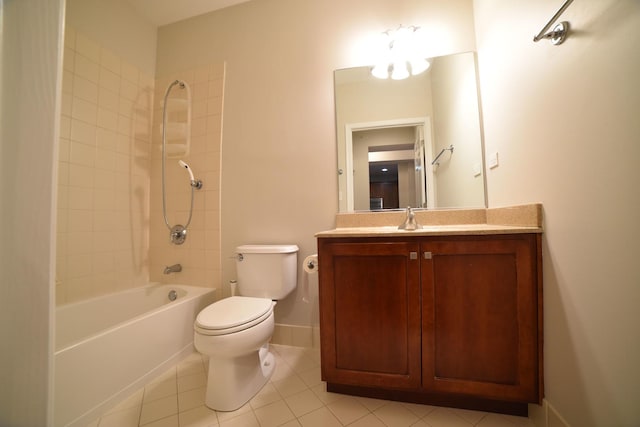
(370, 313)
(480, 317)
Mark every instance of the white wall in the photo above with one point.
(31, 54)
(279, 176)
(565, 121)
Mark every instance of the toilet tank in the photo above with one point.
(266, 271)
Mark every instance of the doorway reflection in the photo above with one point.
(386, 173)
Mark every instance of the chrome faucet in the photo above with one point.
(410, 222)
(175, 268)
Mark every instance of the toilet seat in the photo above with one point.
(233, 314)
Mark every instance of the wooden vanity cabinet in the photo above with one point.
(480, 317)
(451, 320)
(370, 313)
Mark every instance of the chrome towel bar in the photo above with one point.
(435, 161)
(559, 33)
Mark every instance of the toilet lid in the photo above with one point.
(234, 313)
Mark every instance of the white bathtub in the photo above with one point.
(109, 347)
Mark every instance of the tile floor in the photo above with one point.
(295, 396)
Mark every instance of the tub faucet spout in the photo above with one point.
(175, 268)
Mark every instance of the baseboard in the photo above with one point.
(546, 415)
(298, 336)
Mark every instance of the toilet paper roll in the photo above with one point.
(310, 264)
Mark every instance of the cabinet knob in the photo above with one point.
(413, 255)
(427, 255)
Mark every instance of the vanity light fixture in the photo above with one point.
(400, 58)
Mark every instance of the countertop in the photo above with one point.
(429, 230)
(507, 220)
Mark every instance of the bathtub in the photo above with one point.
(111, 346)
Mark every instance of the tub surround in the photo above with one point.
(103, 171)
(503, 220)
(109, 175)
(200, 255)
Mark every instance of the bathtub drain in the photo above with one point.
(173, 295)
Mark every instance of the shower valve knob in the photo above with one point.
(178, 234)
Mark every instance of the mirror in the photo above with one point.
(415, 142)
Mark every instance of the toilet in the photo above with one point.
(234, 332)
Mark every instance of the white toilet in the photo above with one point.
(235, 332)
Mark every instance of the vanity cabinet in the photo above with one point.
(370, 313)
(452, 320)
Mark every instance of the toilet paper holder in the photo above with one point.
(310, 263)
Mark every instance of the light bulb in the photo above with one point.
(400, 71)
(419, 66)
(380, 71)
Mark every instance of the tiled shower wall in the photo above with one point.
(104, 169)
(110, 231)
(200, 253)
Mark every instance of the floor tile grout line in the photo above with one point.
(307, 388)
(144, 393)
(359, 418)
(289, 360)
(480, 420)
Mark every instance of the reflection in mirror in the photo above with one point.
(391, 177)
(402, 126)
(387, 160)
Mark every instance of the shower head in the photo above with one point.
(186, 166)
(194, 183)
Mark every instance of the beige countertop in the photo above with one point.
(428, 230)
(507, 220)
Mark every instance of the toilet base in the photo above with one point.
(233, 382)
